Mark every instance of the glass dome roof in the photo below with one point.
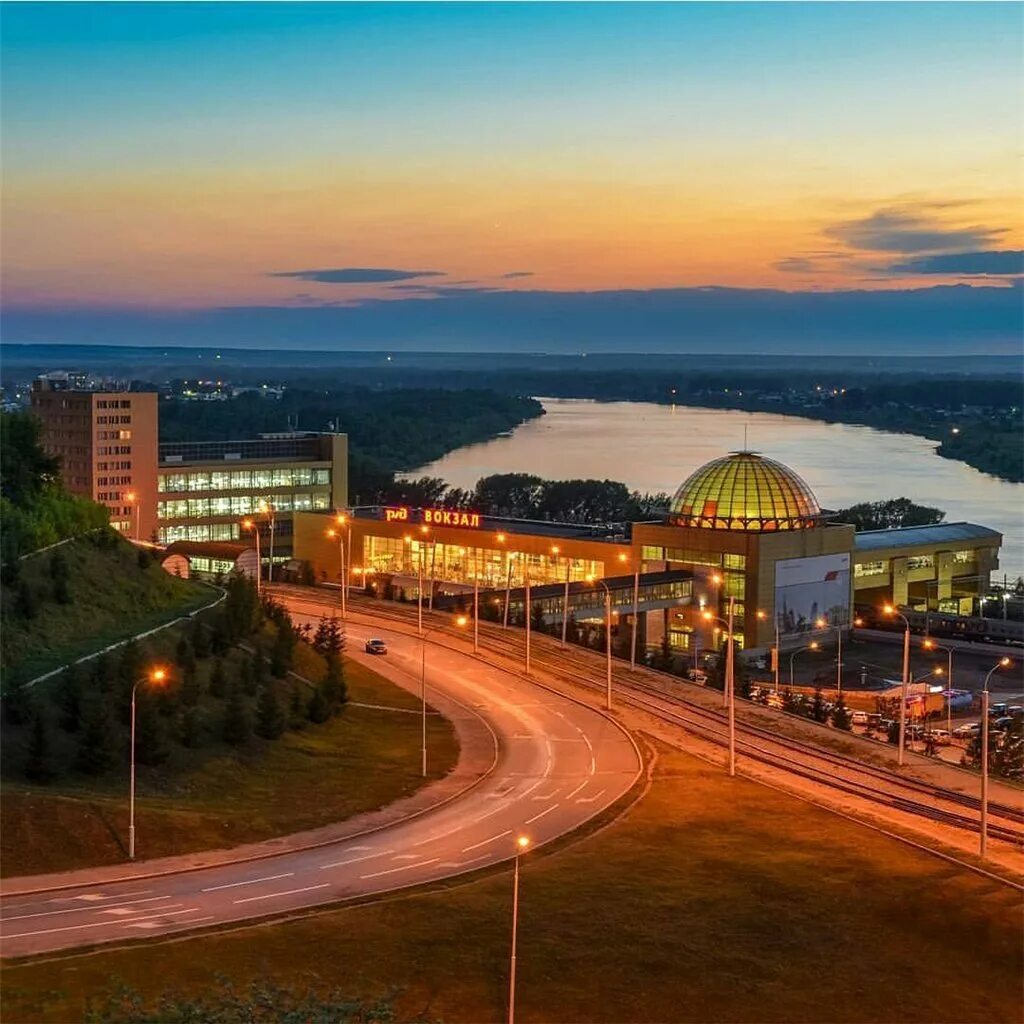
(745, 491)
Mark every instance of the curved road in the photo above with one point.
(559, 764)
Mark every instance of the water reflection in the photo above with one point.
(654, 447)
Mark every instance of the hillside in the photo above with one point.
(68, 601)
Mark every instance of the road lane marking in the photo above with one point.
(355, 860)
(547, 796)
(406, 856)
(582, 785)
(464, 863)
(439, 835)
(591, 799)
(148, 922)
(536, 817)
(287, 892)
(249, 881)
(81, 910)
(529, 790)
(404, 867)
(476, 846)
(81, 927)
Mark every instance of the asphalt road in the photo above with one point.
(559, 764)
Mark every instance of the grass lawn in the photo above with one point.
(712, 900)
(128, 600)
(221, 796)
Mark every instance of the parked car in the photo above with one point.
(1002, 724)
(941, 737)
(968, 730)
(376, 647)
(860, 718)
(1015, 711)
(697, 675)
(997, 710)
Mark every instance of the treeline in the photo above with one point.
(889, 515)
(227, 681)
(389, 431)
(525, 496)
(35, 508)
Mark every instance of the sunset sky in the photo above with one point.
(170, 159)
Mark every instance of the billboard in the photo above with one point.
(807, 589)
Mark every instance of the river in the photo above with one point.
(655, 447)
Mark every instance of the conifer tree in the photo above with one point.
(60, 574)
(218, 679)
(151, 745)
(296, 708)
(318, 710)
(200, 638)
(237, 728)
(69, 699)
(842, 716)
(191, 689)
(38, 763)
(283, 651)
(333, 685)
(192, 727)
(184, 655)
(17, 704)
(270, 721)
(98, 746)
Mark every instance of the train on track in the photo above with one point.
(945, 625)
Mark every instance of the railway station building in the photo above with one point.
(742, 527)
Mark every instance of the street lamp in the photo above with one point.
(460, 621)
(775, 650)
(608, 638)
(248, 524)
(812, 646)
(133, 499)
(931, 645)
(156, 677)
(522, 844)
(636, 610)
(890, 610)
(730, 678)
(1002, 663)
(824, 624)
(267, 508)
(332, 534)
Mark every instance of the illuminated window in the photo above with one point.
(693, 557)
(321, 501)
(220, 481)
(734, 561)
(652, 554)
(679, 640)
(322, 476)
(303, 502)
(869, 568)
(241, 479)
(920, 562)
(967, 555)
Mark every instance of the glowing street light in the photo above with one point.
(931, 645)
(623, 557)
(775, 650)
(823, 623)
(332, 535)
(156, 677)
(133, 499)
(1002, 663)
(460, 621)
(891, 610)
(522, 845)
(729, 692)
(248, 524)
(812, 646)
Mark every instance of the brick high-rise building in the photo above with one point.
(107, 444)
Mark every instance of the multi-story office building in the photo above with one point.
(107, 444)
(206, 488)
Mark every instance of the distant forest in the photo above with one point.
(389, 431)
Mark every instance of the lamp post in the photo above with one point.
(508, 580)
(526, 610)
(775, 650)
(267, 507)
(133, 499)
(565, 599)
(1002, 663)
(636, 611)
(249, 524)
(890, 610)
(931, 645)
(730, 678)
(522, 842)
(341, 565)
(608, 640)
(812, 646)
(460, 621)
(824, 624)
(157, 676)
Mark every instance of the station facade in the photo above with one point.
(742, 529)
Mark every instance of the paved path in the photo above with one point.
(559, 764)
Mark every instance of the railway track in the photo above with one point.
(646, 691)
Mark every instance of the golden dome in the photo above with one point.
(745, 491)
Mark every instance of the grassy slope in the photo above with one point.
(712, 901)
(129, 601)
(222, 796)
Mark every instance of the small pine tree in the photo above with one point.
(247, 678)
(200, 638)
(191, 688)
(259, 669)
(184, 655)
(270, 721)
(18, 704)
(333, 685)
(38, 764)
(283, 651)
(296, 708)
(60, 574)
(192, 728)
(842, 716)
(237, 728)
(69, 699)
(143, 559)
(98, 748)
(818, 710)
(218, 679)
(318, 710)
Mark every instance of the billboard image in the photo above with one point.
(807, 589)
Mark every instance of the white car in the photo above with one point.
(966, 731)
(859, 718)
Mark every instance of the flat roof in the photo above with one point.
(910, 536)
